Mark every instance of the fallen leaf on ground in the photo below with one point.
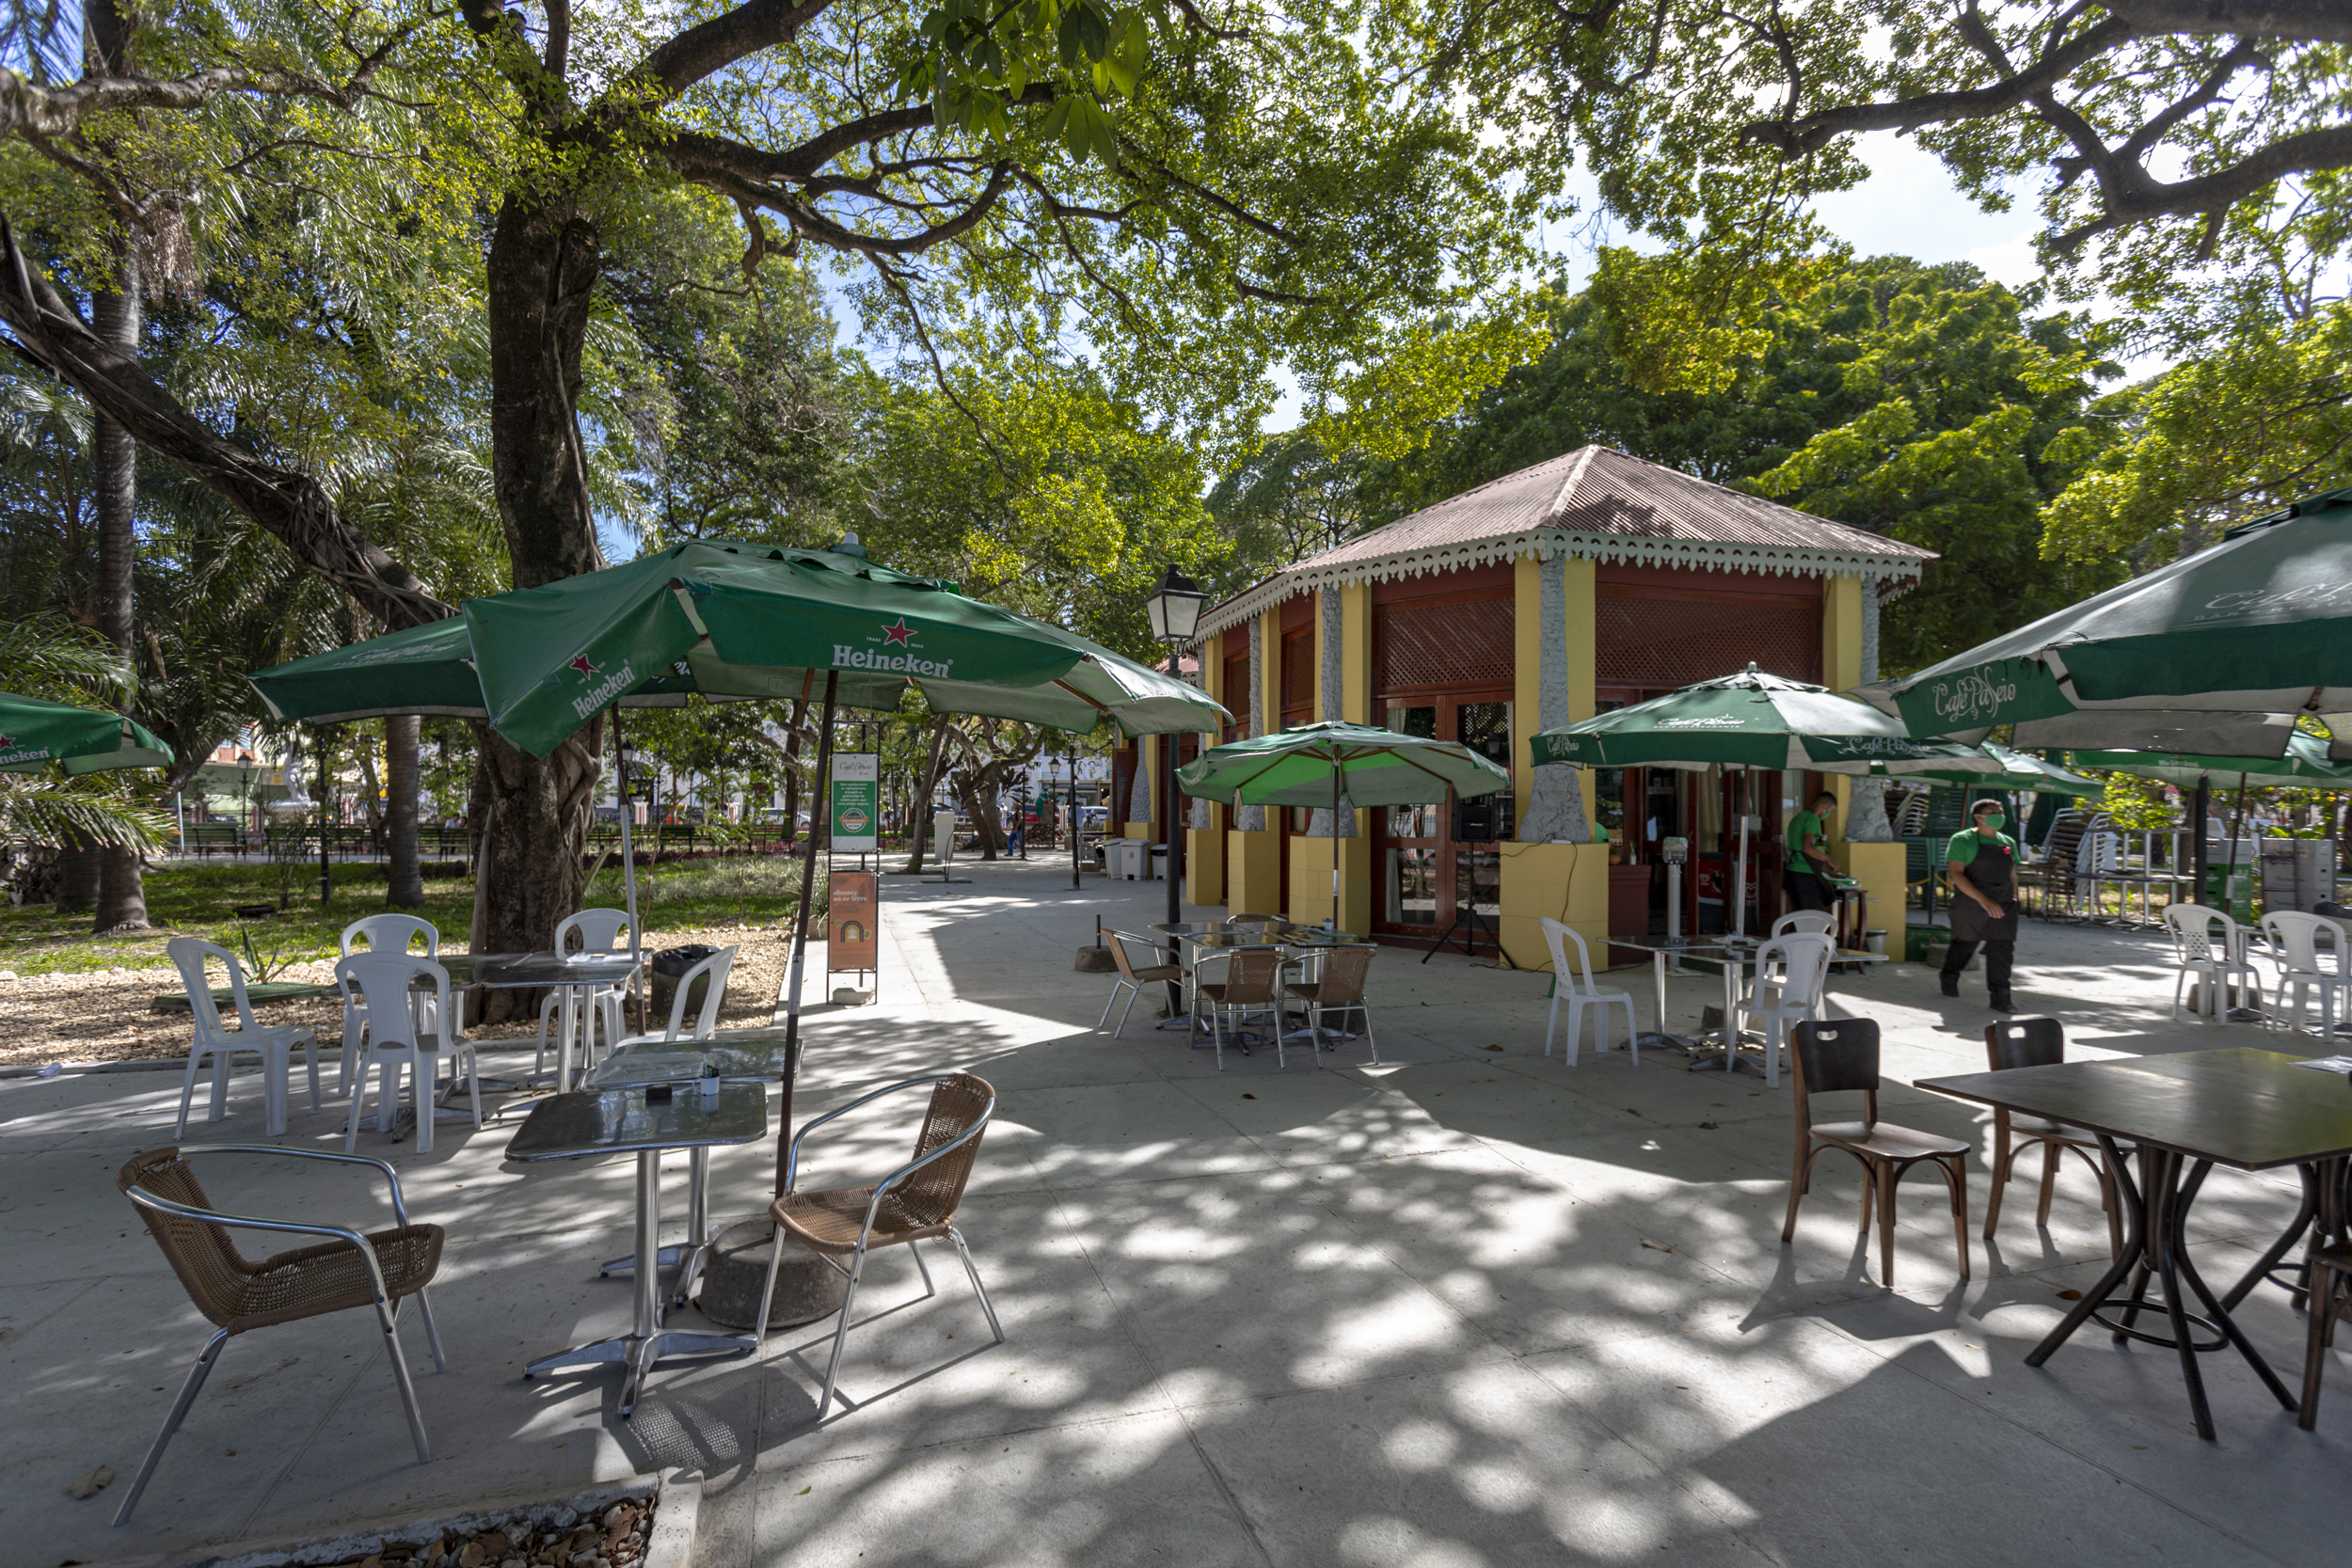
(2069, 1296)
(1656, 1247)
(1249, 1096)
(1707, 1126)
(87, 1485)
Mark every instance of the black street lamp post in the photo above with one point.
(1175, 609)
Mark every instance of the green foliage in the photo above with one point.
(2136, 804)
(2170, 465)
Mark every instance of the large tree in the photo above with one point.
(1198, 190)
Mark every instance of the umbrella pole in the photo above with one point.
(628, 864)
(2201, 803)
(1739, 867)
(2237, 825)
(1337, 767)
(799, 934)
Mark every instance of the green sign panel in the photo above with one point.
(856, 801)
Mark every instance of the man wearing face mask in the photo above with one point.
(1983, 861)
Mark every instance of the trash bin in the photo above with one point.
(668, 965)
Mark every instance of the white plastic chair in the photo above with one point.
(1804, 923)
(383, 933)
(398, 1040)
(599, 933)
(274, 1043)
(2206, 943)
(717, 967)
(1790, 974)
(2294, 938)
(1576, 985)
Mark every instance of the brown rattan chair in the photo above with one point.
(1835, 1056)
(2037, 1041)
(1252, 975)
(1338, 988)
(376, 1269)
(1133, 979)
(2330, 1282)
(913, 1203)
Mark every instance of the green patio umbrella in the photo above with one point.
(2214, 653)
(731, 621)
(2021, 771)
(2306, 764)
(1754, 719)
(1315, 764)
(35, 733)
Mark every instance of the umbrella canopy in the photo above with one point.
(2021, 771)
(1315, 764)
(1754, 719)
(2306, 764)
(731, 621)
(2208, 654)
(34, 733)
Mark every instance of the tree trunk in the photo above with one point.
(542, 274)
(77, 875)
(404, 872)
(115, 317)
(920, 808)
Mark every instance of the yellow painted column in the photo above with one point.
(1527, 670)
(1879, 867)
(1358, 870)
(1567, 882)
(1253, 871)
(1204, 847)
(1579, 585)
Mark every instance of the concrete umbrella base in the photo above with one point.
(808, 1287)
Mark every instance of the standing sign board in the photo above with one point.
(852, 929)
(856, 802)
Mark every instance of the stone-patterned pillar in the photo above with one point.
(1333, 668)
(1251, 820)
(1555, 809)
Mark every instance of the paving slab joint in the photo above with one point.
(677, 1509)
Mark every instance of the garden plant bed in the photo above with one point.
(609, 1527)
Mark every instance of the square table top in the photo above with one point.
(1719, 951)
(619, 1121)
(1268, 936)
(2252, 1110)
(503, 970)
(751, 1054)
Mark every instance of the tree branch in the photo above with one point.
(715, 44)
(292, 506)
(2318, 21)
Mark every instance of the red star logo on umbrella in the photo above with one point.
(579, 662)
(8, 743)
(901, 634)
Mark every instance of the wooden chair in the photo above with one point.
(1338, 988)
(914, 1203)
(1133, 979)
(2330, 1298)
(1834, 1058)
(1251, 977)
(2034, 1042)
(376, 1269)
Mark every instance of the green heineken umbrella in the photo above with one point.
(2212, 653)
(2020, 772)
(731, 621)
(1753, 719)
(1315, 764)
(34, 733)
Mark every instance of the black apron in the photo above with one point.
(1993, 873)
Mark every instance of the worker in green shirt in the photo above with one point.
(1808, 859)
(1983, 861)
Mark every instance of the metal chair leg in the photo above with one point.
(775, 1261)
(386, 1316)
(841, 1332)
(432, 1332)
(1126, 1012)
(1102, 1022)
(197, 1374)
(977, 1288)
(924, 1269)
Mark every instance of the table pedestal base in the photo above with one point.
(2156, 1250)
(647, 1342)
(690, 1255)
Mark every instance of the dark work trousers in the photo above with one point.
(1998, 955)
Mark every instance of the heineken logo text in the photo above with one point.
(1976, 695)
(11, 753)
(846, 657)
(604, 690)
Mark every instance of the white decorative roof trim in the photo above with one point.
(1893, 572)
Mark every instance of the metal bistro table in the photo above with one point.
(741, 1056)
(2185, 1114)
(1204, 939)
(622, 1121)
(1731, 960)
(531, 971)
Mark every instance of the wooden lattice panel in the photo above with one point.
(1447, 646)
(1671, 642)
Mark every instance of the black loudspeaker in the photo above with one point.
(1473, 821)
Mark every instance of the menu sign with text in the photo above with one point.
(852, 923)
(856, 802)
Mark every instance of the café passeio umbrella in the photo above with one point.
(1754, 719)
(2306, 765)
(35, 733)
(2215, 652)
(1314, 765)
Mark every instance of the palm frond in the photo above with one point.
(47, 809)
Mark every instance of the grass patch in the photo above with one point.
(196, 901)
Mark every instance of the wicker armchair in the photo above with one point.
(1338, 988)
(1252, 978)
(1133, 979)
(237, 1295)
(914, 1203)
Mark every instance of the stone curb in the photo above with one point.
(671, 1545)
